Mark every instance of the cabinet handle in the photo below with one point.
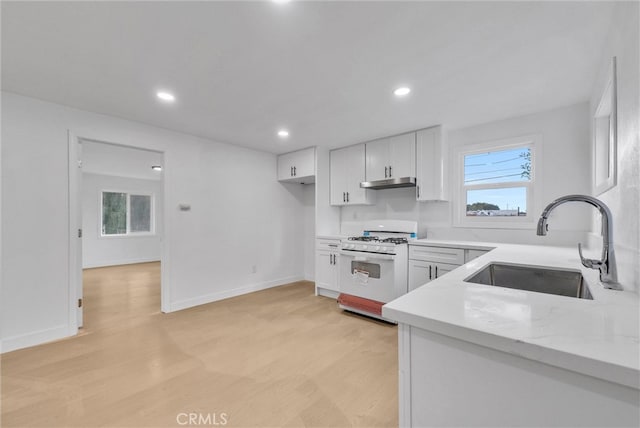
(385, 172)
(344, 197)
(347, 196)
(418, 192)
(294, 171)
(291, 173)
(436, 271)
(389, 171)
(429, 271)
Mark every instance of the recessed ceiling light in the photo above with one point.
(156, 167)
(402, 91)
(283, 133)
(166, 96)
(281, 1)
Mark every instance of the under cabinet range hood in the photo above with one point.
(389, 183)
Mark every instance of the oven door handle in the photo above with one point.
(363, 256)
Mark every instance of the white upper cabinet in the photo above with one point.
(402, 155)
(431, 173)
(347, 172)
(298, 166)
(391, 157)
(377, 159)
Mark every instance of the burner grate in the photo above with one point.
(395, 240)
(364, 238)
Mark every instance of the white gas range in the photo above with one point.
(373, 266)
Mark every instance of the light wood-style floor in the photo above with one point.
(280, 358)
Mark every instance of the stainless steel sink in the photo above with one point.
(533, 278)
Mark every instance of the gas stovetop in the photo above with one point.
(382, 236)
(377, 239)
(374, 244)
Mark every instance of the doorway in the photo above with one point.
(117, 204)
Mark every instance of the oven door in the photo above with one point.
(368, 275)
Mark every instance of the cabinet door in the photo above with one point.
(377, 164)
(285, 166)
(431, 161)
(418, 273)
(304, 162)
(327, 270)
(402, 155)
(298, 166)
(324, 269)
(355, 166)
(421, 272)
(347, 172)
(439, 269)
(335, 278)
(338, 176)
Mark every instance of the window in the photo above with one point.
(496, 184)
(126, 214)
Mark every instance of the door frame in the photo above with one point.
(75, 223)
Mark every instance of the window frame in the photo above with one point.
(129, 233)
(460, 218)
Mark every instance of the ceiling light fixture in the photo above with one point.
(283, 133)
(281, 1)
(402, 91)
(156, 167)
(166, 96)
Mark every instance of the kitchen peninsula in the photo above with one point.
(478, 355)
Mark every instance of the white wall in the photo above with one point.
(117, 250)
(624, 199)
(565, 169)
(309, 235)
(240, 216)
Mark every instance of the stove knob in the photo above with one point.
(378, 248)
(364, 247)
(384, 249)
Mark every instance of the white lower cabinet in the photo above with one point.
(445, 381)
(327, 267)
(421, 272)
(427, 263)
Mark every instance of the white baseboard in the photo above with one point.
(226, 294)
(327, 293)
(39, 337)
(91, 265)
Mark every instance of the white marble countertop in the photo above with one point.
(336, 237)
(598, 337)
(468, 245)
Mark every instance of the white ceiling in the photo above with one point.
(120, 161)
(323, 70)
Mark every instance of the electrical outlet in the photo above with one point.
(254, 269)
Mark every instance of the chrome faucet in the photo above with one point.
(606, 264)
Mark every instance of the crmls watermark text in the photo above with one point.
(202, 419)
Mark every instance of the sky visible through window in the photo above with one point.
(503, 166)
